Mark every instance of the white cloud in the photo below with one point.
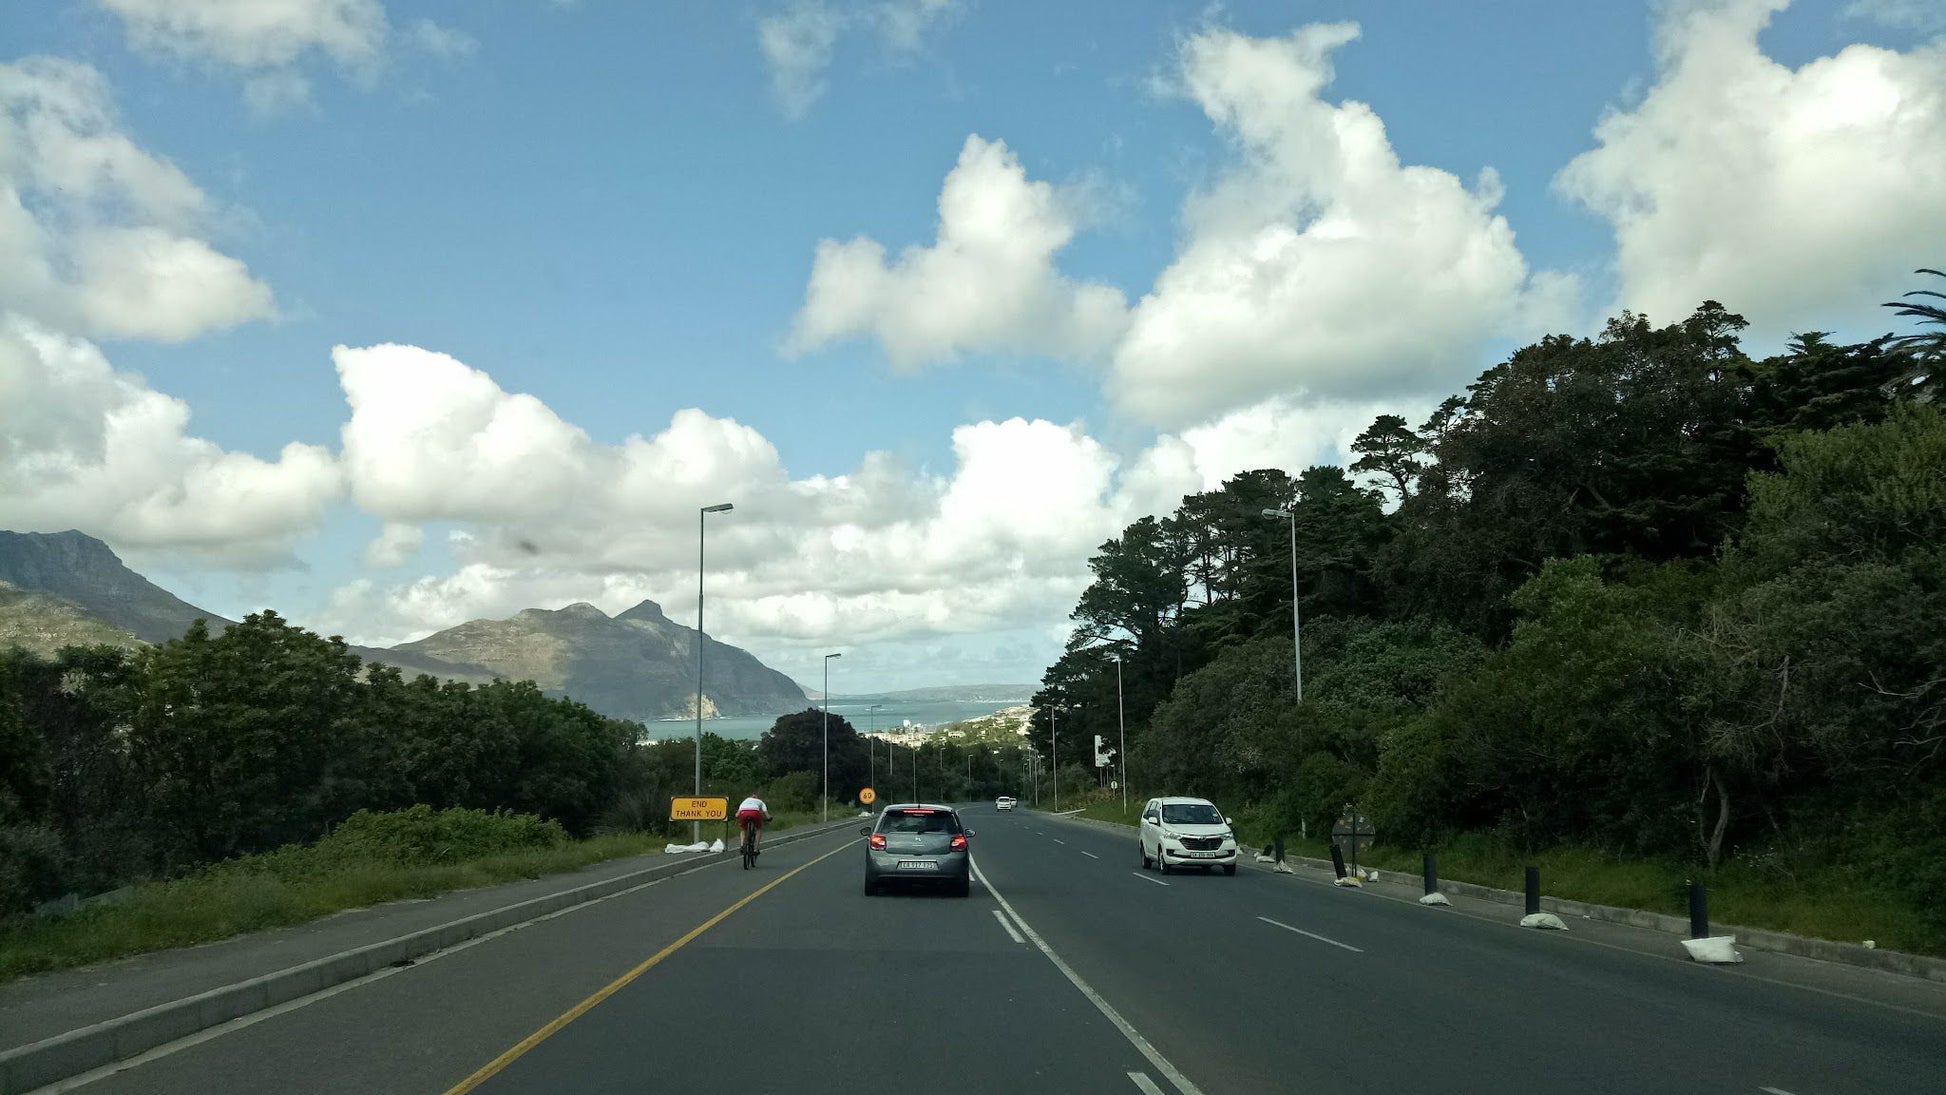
(1921, 15)
(799, 42)
(95, 233)
(256, 34)
(1318, 269)
(1798, 197)
(987, 283)
(395, 545)
(442, 41)
(797, 46)
(84, 446)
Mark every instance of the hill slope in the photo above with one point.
(637, 665)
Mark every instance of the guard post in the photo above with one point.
(1351, 833)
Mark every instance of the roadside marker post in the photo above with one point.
(1430, 869)
(1699, 911)
(1533, 890)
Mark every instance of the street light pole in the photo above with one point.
(696, 827)
(1054, 758)
(871, 751)
(825, 808)
(1297, 642)
(1121, 720)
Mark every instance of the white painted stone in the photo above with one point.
(1715, 949)
(1434, 899)
(1543, 920)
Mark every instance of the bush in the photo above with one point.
(422, 836)
(797, 791)
(33, 867)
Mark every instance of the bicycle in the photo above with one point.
(749, 845)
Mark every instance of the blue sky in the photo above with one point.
(617, 209)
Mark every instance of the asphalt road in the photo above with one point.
(1069, 970)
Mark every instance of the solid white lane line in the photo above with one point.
(1774, 1090)
(1161, 1063)
(1310, 935)
(1002, 917)
(1146, 878)
(1147, 1085)
(1090, 855)
(1058, 840)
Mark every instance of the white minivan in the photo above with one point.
(1187, 832)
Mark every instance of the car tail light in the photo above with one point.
(878, 840)
(959, 842)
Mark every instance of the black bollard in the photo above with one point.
(1432, 873)
(1338, 860)
(1533, 890)
(1279, 849)
(1699, 911)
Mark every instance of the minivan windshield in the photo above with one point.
(1191, 813)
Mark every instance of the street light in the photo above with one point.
(1121, 721)
(825, 810)
(1297, 642)
(871, 751)
(696, 827)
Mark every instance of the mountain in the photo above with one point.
(636, 665)
(83, 570)
(68, 587)
(44, 623)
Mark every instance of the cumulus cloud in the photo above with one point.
(552, 516)
(1318, 267)
(97, 236)
(395, 545)
(1799, 197)
(83, 445)
(987, 283)
(798, 42)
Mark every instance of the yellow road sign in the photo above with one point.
(867, 796)
(689, 808)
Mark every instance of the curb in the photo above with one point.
(37, 1064)
(1923, 967)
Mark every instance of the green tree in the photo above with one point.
(797, 743)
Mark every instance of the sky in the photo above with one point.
(391, 315)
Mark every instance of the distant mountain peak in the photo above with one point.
(647, 611)
(584, 610)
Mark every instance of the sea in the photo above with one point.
(891, 716)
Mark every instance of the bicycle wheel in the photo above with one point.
(749, 851)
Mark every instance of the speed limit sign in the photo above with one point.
(867, 796)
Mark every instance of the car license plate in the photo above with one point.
(917, 865)
(1202, 855)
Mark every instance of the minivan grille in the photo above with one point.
(1201, 843)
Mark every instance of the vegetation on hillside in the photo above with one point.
(1640, 594)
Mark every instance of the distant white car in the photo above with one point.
(1187, 832)
(1004, 802)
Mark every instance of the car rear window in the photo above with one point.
(919, 821)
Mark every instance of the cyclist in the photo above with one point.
(751, 816)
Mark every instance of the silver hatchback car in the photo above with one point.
(918, 842)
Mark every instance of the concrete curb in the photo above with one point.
(1924, 967)
(24, 1068)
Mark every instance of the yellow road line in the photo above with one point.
(492, 1067)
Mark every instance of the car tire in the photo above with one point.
(964, 887)
(871, 888)
(1146, 861)
(1229, 868)
(1161, 864)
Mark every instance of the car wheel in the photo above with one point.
(963, 887)
(871, 888)
(1161, 864)
(1146, 861)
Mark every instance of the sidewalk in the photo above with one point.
(159, 991)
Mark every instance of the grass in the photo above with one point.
(1829, 903)
(287, 887)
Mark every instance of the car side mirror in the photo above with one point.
(970, 832)
(1229, 821)
(864, 830)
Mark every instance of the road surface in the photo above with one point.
(1068, 970)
